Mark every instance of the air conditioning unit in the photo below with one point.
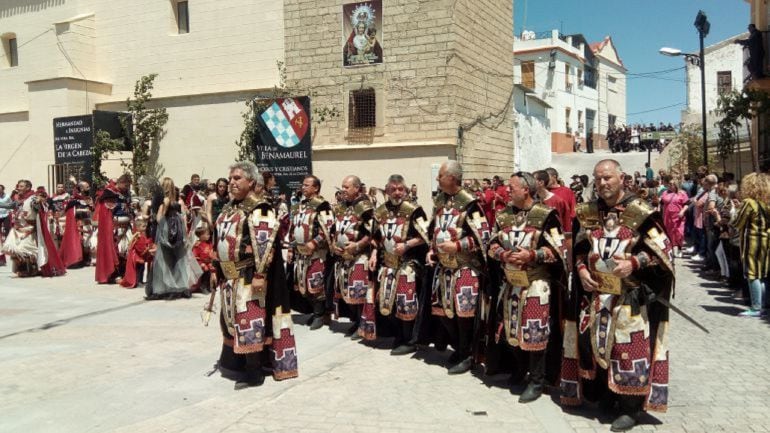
(569, 87)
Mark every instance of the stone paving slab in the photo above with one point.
(81, 357)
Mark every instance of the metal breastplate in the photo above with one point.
(517, 233)
(302, 223)
(347, 226)
(393, 229)
(611, 241)
(229, 234)
(449, 226)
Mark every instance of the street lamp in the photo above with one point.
(703, 26)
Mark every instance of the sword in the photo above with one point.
(208, 309)
(651, 296)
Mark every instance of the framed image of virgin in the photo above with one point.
(362, 33)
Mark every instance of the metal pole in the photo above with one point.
(703, 98)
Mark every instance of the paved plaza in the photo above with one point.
(78, 357)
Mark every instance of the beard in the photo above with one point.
(396, 202)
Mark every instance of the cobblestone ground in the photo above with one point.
(77, 357)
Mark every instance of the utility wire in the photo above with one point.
(656, 109)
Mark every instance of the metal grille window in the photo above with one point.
(724, 82)
(362, 109)
(182, 17)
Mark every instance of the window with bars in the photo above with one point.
(567, 80)
(528, 74)
(362, 109)
(182, 17)
(567, 114)
(724, 82)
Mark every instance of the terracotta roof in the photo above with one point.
(598, 46)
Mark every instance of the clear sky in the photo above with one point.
(639, 28)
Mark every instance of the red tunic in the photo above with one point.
(566, 194)
(204, 253)
(562, 209)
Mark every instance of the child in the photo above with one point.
(140, 252)
(204, 253)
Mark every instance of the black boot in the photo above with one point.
(316, 323)
(254, 375)
(353, 331)
(404, 349)
(623, 423)
(461, 367)
(533, 392)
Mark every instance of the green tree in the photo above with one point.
(689, 145)
(102, 145)
(148, 130)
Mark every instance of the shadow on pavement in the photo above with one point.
(431, 356)
(724, 309)
(592, 411)
(60, 322)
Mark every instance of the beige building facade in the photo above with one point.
(75, 56)
(441, 92)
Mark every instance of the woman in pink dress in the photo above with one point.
(675, 203)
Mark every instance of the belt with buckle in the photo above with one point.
(231, 270)
(391, 260)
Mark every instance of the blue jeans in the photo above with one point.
(699, 241)
(757, 293)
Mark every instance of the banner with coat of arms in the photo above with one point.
(283, 145)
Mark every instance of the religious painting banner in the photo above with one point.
(362, 33)
(283, 145)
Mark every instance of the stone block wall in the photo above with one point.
(446, 64)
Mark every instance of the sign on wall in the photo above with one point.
(362, 33)
(72, 140)
(74, 136)
(283, 145)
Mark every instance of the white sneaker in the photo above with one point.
(697, 258)
(678, 253)
(689, 250)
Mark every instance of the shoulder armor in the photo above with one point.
(636, 213)
(362, 206)
(537, 216)
(463, 198)
(588, 214)
(407, 209)
(252, 202)
(316, 202)
(339, 209)
(439, 200)
(381, 212)
(504, 216)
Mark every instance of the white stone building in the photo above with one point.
(611, 88)
(438, 94)
(572, 76)
(532, 128)
(724, 73)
